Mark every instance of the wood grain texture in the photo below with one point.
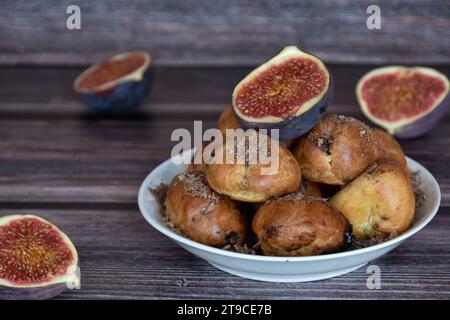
(52, 150)
(139, 263)
(82, 172)
(221, 32)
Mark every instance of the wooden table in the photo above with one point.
(82, 172)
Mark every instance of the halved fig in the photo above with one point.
(37, 260)
(228, 120)
(406, 101)
(290, 92)
(116, 84)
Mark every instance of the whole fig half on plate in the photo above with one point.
(37, 260)
(290, 92)
(406, 101)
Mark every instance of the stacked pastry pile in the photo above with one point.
(337, 180)
(341, 178)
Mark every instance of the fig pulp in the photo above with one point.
(37, 260)
(406, 101)
(290, 93)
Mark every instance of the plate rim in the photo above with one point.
(143, 189)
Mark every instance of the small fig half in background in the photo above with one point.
(37, 260)
(117, 84)
(290, 92)
(406, 101)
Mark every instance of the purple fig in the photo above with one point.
(37, 260)
(290, 92)
(406, 101)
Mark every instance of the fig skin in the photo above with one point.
(379, 203)
(301, 121)
(300, 225)
(336, 150)
(41, 293)
(228, 120)
(414, 125)
(55, 284)
(424, 125)
(203, 215)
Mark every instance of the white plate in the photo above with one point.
(283, 269)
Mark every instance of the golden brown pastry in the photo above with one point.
(197, 163)
(200, 167)
(202, 214)
(316, 189)
(388, 148)
(336, 150)
(380, 202)
(311, 188)
(289, 143)
(300, 225)
(228, 120)
(246, 182)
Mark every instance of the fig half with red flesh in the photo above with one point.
(290, 92)
(116, 84)
(406, 101)
(37, 260)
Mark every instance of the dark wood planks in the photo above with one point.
(220, 32)
(140, 263)
(52, 151)
(82, 172)
(105, 161)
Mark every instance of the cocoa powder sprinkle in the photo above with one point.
(197, 187)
